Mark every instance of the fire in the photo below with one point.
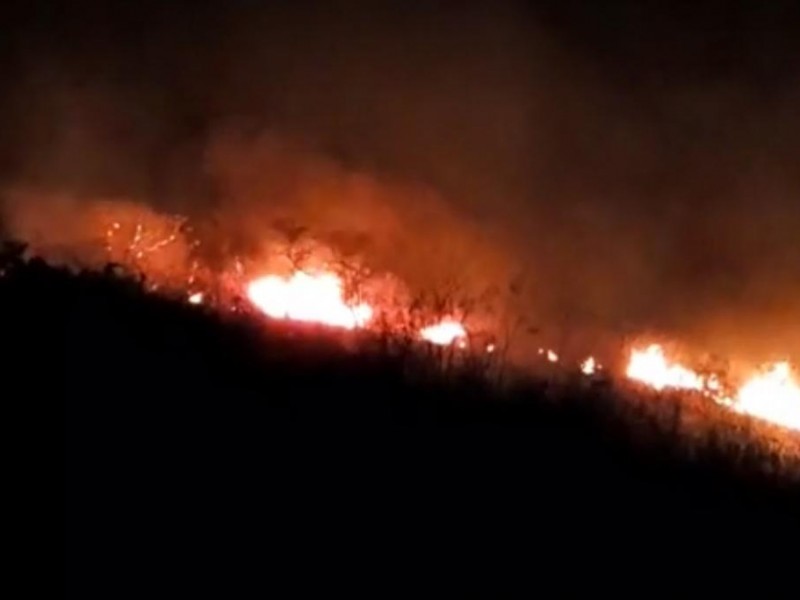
(773, 395)
(550, 355)
(589, 366)
(445, 333)
(315, 298)
(196, 298)
(160, 245)
(651, 367)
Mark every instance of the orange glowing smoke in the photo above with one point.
(313, 298)
(445, 333)
(773, 396)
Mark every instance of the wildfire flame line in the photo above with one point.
(772, 394)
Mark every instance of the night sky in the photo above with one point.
(638, 161)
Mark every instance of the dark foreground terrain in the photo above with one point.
(196, 455)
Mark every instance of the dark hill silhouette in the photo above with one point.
(203, 453)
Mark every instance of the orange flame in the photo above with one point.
(316, 298)
(651, 367)
(773, 395)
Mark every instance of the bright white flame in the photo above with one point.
(490, 348)
(773, 395)
(445, 333)
(196, 298)
(650, 366)
(552, 356)
(589, 366)
(310, 298)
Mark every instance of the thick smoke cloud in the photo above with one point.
(633, 165)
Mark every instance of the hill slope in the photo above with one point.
(200, 449)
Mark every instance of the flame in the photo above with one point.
(318, 298)
(153, 243)
(196, 298)
(313, 298)
(773, 395)
(651, 367)
(589, 366)
(549, 354)
(445, 333)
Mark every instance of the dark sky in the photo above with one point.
(639, 158)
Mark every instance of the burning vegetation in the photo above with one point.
(771, 394)
(296, 277)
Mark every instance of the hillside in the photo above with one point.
(205, 447)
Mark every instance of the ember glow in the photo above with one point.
(133, 242)
(311, 298)
(445, 333)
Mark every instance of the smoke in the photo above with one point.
(607, 171)
(408, 229)
(81, 232)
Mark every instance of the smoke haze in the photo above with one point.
(634, 165)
